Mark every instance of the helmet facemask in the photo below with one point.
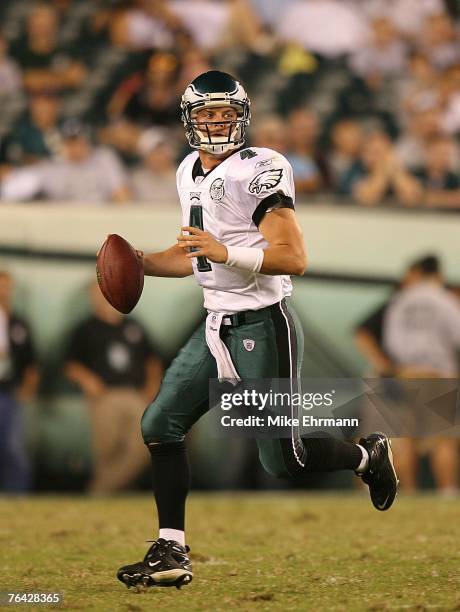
(231, 135)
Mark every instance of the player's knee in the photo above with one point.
(156, 426)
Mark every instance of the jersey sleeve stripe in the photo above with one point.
(271, 202)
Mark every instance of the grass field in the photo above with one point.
(250, 552)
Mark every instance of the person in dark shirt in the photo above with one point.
(112, 360)
(441, 185)
(46, 66)
(149, 98)
(378, 175)
(37, 135)
(18, 383)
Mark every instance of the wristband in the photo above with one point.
(245, 258)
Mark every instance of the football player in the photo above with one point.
(241, 240)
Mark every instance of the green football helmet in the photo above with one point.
(211, 89)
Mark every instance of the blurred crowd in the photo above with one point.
(362, 96)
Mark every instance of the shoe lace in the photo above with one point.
(155, 548)
(161, 548)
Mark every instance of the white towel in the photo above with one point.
(225, 368)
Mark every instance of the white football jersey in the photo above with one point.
(229, 202)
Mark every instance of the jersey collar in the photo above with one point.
(197, 169)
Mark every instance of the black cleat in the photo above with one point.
(381, 475)
(165, 564)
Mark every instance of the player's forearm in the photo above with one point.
(407, 188)
(171, 263)
(441, 198)
(29, 384)
(370, 349)
(284, 259)
(90, 383)
(371, 190)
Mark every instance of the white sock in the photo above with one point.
(362, 467)
(173, 534)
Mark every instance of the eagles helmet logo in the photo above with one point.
(265, 181)
(217, 190)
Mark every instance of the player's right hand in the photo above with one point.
(201, 244)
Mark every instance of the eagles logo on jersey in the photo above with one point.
(266, 180)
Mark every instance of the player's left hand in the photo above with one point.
(206, 245)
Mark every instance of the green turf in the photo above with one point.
(250, 552)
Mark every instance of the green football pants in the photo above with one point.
(184, 394)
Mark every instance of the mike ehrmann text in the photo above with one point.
(284, 421)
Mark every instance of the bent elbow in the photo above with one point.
(299, 266)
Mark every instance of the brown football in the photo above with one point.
(120, 273)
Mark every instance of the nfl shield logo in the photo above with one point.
(217, 190)
(249, 344)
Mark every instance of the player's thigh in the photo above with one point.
(184, 392)
(270, 348)
(253, 349)
(281, 344)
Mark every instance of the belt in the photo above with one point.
(247, 316)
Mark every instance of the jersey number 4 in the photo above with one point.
(196, 220)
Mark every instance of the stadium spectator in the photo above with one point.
(84, 174)
(368, 333)
(46, 67)
(18, 384)
(245, 30)
(149, 24)
(347, 140)
(155, 179)
(439, 41)
(193, 61)
(441, 186)
(408, 15)
(302, 151)
(10, 73)
(207, 22)
(384, 56)
(379, 175)
(417, 88)
(114, 363)
(424, 125)
(149, 98)
(421, 334)
(270, 132)
(270, 12)
(327, 27)
(449, 90)
(37, 135)
(124, 137)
